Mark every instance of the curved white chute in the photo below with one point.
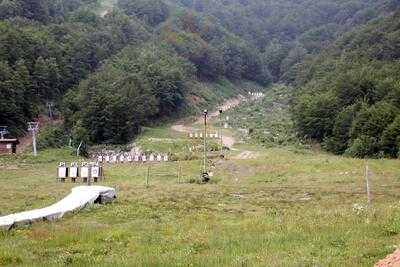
(79, 197)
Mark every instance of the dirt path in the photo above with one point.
(228, 104)
(227, 141)
(392, 260)
(246, 155)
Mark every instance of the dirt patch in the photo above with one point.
(246, 155)
(26, 140)
(392, 260)
(227, 141)
(228, 104)
(182, 128)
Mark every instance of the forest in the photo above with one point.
(111, 74)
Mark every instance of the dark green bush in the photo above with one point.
(52, 136)
(363, 146)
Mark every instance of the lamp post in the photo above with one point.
(50, 106)
(204, 173)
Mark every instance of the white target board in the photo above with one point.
(159, 158)
(95, 171)
(73, 172)
(107, 158)
(84, 172)
(62, 172)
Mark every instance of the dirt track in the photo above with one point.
(246, 155)
(227, 141)
(392, 260)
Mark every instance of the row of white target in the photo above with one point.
(131, 158)
(257, 94)
(83, 171)
(200, 135)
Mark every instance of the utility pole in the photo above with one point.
(3, 131)
(33, 127)
(50, 105)
(204, 174)
(221, 154)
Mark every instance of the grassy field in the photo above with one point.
(287, 207)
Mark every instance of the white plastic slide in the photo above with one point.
(79, 197)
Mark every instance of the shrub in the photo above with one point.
(363, 146)
(391, 138)
(52, 136)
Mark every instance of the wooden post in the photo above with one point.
(148, 176)
(367, 185)
(179, 173)
(89, 179)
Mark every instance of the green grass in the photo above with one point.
(288, 207)
(163, 139)
(268, 118)
(205, 95)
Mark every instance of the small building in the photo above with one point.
(8, 146)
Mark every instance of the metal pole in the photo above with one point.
(50, 105)
(205, 143)
(34, 142)
(78, 150)
(220, 133)
(33, 127)
(89, 181)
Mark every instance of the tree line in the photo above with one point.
(348, 98)
(142, 61)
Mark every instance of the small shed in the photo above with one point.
(8, 146)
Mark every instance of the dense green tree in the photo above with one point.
(127, 92)
(273, 56)
(390, 140)
(372, 120)
(338, 142)
(361, 66)
(152, 12)
(314, 115)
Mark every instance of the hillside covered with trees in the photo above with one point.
(148, 59)
(348, 97)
